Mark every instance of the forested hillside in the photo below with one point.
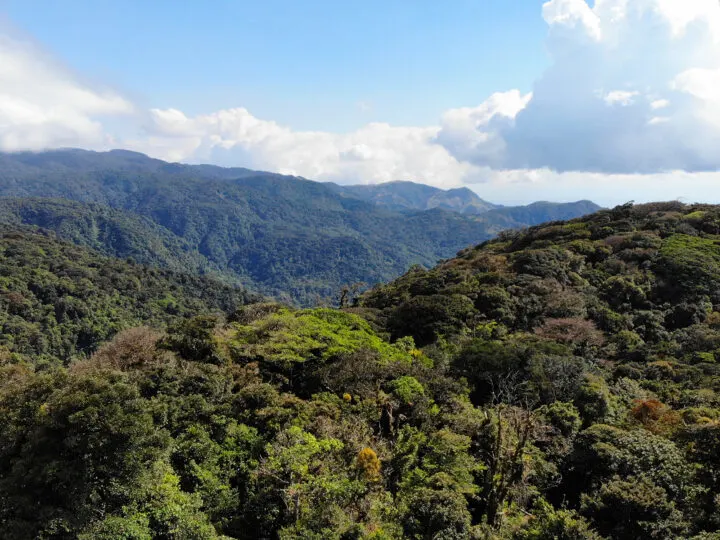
(554, 383)
(58, 300)
(109, 231)
(412, 196)
(294, 239)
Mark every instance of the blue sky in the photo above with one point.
(312, 64)
(522, 100)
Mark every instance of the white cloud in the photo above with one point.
(465, 131)
(682, 14)
(574, 16)
(522, 187)
(376, 152)
(43, 105)
(632, 89)
(620, 97)
(658, 120)
(659, 104)
(595, 109)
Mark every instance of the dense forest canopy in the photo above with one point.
(58, 300)
(286, 237)
(412, 196)
(109, 231)
(559, 382)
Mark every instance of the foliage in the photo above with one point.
(554, 383)
(369, 464)
(58, 300)
(286, 237)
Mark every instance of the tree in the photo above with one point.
(368, 464)
(506, 449)
(304, 470)
(633, 508)
(435, 514)
(81, 454)
(547, 523)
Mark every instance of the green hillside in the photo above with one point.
(111, 232)
(412, 196)
(554, 383)
(296, 240)
(58, 300)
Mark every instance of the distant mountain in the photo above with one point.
(517, 217)
(73, 161)
(108, 231)
(283, 236)
(412, 196)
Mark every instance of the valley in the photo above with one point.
(289, 238)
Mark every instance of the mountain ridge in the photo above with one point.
(288, 237)
(407, 195)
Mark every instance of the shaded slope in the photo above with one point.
(58, 300)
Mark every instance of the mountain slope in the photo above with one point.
(556, 383)
(607, 266)
(283, 236)
(614, 319)
(412, 196)
(58, 300)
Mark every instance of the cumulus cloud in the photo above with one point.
(462, 138)
(620, 97)
(633, 88)
(43, 105)
(374, 153)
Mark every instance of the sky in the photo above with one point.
(521, 100)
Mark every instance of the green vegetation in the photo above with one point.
(111, 232)
(412, 196)
(286, 237)
(560, 382)
(58, 300)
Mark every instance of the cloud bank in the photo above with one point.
(633, 88)
(43, 105)
(377, 152)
